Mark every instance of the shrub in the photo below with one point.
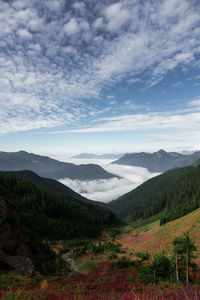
(112, 255)
(122, 263)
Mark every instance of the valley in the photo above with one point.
(110, 267)
(54, 241)
(99, 150)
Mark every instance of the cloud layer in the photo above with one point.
(57, 57)
(110, 189)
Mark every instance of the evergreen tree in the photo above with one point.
(184, 249)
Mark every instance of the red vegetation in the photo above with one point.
(107, 284)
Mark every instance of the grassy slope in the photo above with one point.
(153, 237)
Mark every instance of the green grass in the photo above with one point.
(141, 225)
(75, 242)
(145, 235)
(87, 264)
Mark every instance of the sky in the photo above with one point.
(99, 76)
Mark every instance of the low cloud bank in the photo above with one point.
(105, 190)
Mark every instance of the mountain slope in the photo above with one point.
(161, 193)
(50, 168)
(31, 215)
(53, 185)
(154, 238)
(159, 161)
(51, 214)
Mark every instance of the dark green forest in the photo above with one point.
(52, 215)
(183, 197)
(174, 194)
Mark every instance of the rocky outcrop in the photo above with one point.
(15, 249)
(13, 252)
(21, 263)
(71, 262)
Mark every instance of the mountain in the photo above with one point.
(53, 185)
(96, 156)
(50, 168)
(31, 215)
(173, 194)
(49, 207)
(159, 161)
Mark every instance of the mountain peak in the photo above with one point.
(22, 152)
(160, 161)
(161, 151)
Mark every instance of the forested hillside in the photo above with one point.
(174, 193)
(53, 185)
(50, 214)
(182, 197)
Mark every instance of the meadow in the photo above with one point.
(109, 266)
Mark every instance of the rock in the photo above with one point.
(21, 263)
(71, 262)
(15, 249)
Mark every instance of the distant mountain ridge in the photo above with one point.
(160, 161)
(97, 156)
(50, 168)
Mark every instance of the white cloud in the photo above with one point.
(19, 5)
(35, 25)
(110, 189)
(177, 83)
(116, 16)
(195, 103)
(63, 56)
(24, 34)
(79, 5)
(71, 27)
(184, 57)
(84, 25)
(147, 122)
(55, 5)
(98, 23)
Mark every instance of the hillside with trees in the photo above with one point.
(173, 194)
(53, 185)
(50, 214)
(31, 216)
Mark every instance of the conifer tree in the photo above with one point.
(184, 249)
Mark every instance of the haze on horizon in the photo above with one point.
(108, 76)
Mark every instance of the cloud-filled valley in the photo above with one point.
(105, 190)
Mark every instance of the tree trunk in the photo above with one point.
(177, 276)
(187, 268)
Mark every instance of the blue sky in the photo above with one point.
(99, 76)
